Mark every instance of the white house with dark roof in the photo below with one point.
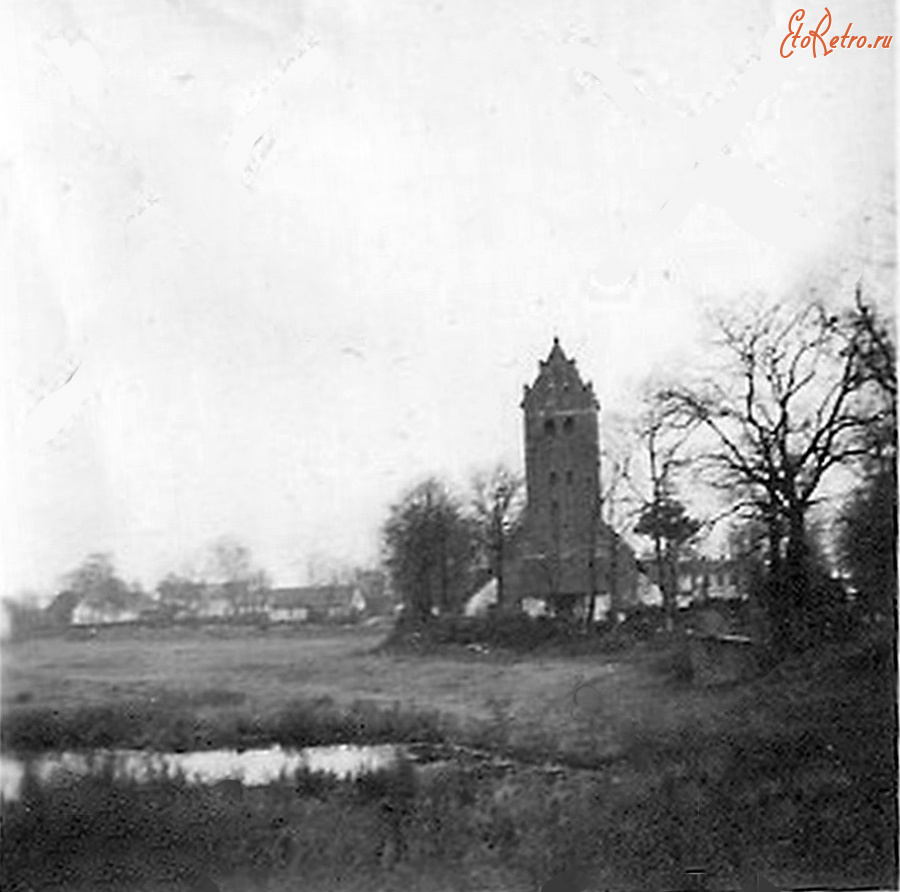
(303, 603)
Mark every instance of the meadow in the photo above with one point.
(218, 676)
(792, 774)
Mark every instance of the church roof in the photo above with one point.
(556, 353)
(559, 384)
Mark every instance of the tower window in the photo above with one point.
(550, 427)
(553, 478)
(569, 477)
(569, 425)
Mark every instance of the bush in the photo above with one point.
(517, 632)
(643, 621)
(173, 723)
(513, 631)
(675, 663)
(92, 831)
(37, 730)
(807, 612)
(789, 802)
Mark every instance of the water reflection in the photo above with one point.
(254, 767)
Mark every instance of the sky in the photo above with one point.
(266, 264)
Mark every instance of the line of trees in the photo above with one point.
(230, 568)
(439, 545)
(230, 573)
(226, 581)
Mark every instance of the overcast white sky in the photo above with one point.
(293, 281)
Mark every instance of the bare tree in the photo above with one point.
(243, 584)
(787, 409)
(324, 569)
(662, 433)
(179, 594)
(498, 502)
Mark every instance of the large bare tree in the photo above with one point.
(790, 403)
(243, 584)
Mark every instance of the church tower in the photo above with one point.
(562, 471)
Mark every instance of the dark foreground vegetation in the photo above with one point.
(173, 723)
(802, 789)
(516, 632)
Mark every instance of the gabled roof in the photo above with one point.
(314, 597)
(119, 599)
(693, 566)
(559, 384)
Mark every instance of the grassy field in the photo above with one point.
(217, 673)
(793, 774)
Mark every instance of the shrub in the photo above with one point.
(643, 622)
(513, 631)
(172, 723)
(758, 799)
(674, 663)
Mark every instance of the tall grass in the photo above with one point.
(792, 810)
(173, 726)
(519, 633)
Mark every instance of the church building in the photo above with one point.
(565, 557)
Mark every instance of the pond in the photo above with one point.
(253, 767)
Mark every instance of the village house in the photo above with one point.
(95, 612)
(702, 579)
(309, 603)
(214, 604)
(713, 577)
